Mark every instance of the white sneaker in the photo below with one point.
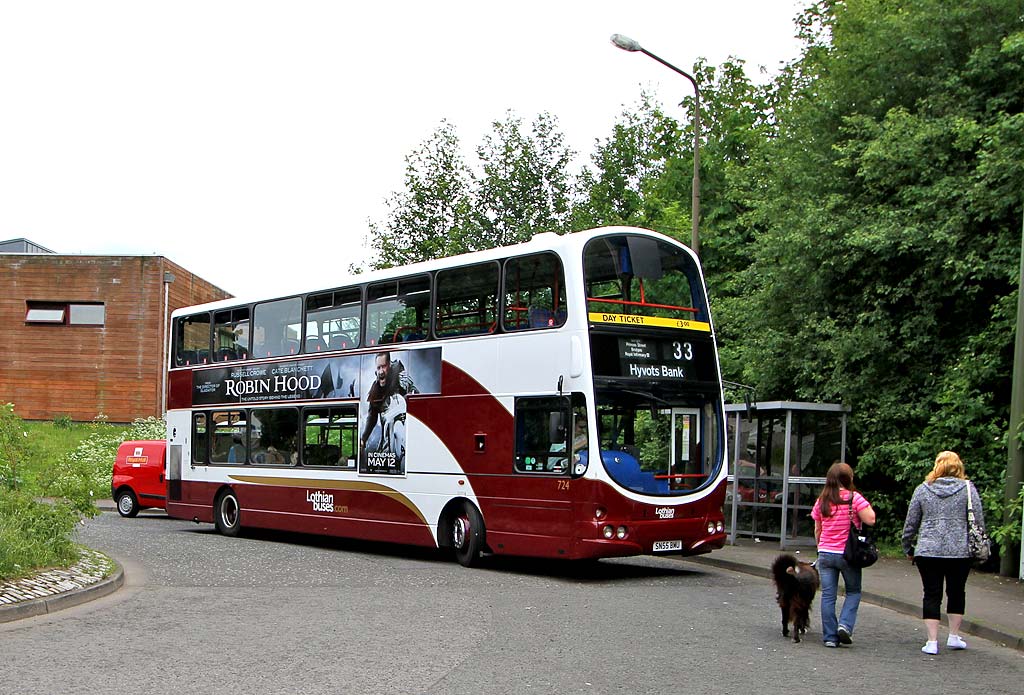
(954, 642)
(930, 647)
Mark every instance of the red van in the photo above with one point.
(138, 480)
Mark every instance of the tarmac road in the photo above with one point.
(281, 613)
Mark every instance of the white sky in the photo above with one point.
(251, 141)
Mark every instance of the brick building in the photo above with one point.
(87, 335)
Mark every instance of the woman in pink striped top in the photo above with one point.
(838, 504)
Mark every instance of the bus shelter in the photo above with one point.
(780, 452)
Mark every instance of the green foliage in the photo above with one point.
(70, 466)
(521, 187)
(524, 185)
(1005, 532)
(13, 447)
(85, 473)
(34, 534)
(429, 218)
(63, 422)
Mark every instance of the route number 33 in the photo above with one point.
(682, 351)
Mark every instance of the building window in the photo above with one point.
(66, 313)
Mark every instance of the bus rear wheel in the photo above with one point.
(227, 515)
(468, 535)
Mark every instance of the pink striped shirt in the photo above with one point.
(835, 527)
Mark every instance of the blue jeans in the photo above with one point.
(830, 565)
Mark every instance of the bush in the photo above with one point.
(84, 474)
(13, 447)
(63, 422)
(34, 534)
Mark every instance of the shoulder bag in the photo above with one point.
(977, 539)
(860, 546)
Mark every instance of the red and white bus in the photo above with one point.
(447, 403)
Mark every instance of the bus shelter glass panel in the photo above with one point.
(779, 463)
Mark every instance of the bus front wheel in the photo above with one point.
(227, 515)
(468, 535)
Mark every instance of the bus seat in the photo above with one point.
(625, 470)
(291, 346)
(540, 318)
(314, 344)
(338, 342)
(188, 357)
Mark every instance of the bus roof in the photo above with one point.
(543, 241)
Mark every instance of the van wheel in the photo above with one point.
(127, 504)
(468, 535)
(227, 515)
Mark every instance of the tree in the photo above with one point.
(524, 185)
(428, 219)
(885, 278)
(613, 190)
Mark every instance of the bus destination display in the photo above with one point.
(653, 359)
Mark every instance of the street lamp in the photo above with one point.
(628, 44)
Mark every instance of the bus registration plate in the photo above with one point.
(665, 546)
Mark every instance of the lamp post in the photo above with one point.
(628, 44)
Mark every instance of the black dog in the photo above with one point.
(796, 583)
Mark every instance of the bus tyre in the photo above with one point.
(468, 535)
(227, 515)
(127, 504)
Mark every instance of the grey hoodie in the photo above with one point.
(938, 517)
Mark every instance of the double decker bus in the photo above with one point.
(557, 398)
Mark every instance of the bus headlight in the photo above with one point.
(711, 527)
(599, 513)
(608, 532)
(720, 526)
(621, 532)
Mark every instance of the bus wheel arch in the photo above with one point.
(127, 502)
(227, 513)
(462, 529)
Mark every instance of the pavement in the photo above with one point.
(995, 605)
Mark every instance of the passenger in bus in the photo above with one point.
(236, 454)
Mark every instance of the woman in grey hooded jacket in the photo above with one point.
(938, 518)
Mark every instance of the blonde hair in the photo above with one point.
(947, 465)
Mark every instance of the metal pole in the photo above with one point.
(628, 44)
(695, 193)
(1008, 564)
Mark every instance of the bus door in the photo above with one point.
(685, 468)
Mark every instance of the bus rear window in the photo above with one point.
(192, 340)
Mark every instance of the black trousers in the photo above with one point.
(936, 570)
